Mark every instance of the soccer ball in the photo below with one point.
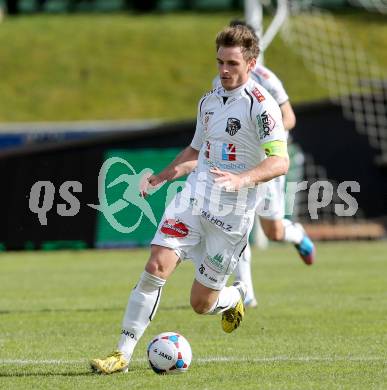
(169, 353)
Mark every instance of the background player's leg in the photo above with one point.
(243, 273)
(288, 231)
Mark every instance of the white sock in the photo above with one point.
(242, 272)
(292, 232)
(228, 298)
(140, 310)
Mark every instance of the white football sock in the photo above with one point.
(140, 310)
(292, 232)
(228, 298)
(242, 273)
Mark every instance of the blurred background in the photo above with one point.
(85, 80)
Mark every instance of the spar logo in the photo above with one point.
(174, 228)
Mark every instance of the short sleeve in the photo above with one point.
(268, 121)
(198, 138)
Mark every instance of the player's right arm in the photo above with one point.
(182, 165)
(186, 161)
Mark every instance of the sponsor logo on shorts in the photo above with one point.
(266, 124)
(228, 152)
(233, 125)
(202, 270)
(174, 228)
(256, 92)
(217, 222)
(215, 262)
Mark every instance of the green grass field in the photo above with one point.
(319, 327)
(120, 66)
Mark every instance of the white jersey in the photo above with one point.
(268, 80)
(231, 127)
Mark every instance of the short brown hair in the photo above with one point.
(239, 36)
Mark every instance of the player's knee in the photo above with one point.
(273, 231)
(154, 267)
(275, 234)
(161, 262)
(157, 267)
(200, 305)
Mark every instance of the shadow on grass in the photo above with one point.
(80, 310)
(86, 310)
(36, 374)
(86, 373)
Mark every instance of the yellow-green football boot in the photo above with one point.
(231, 318)
(115, 362)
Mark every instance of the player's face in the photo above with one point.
(233, 69)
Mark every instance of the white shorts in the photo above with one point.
(273, 204)
(214, 244)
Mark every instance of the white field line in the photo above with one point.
(273, 359)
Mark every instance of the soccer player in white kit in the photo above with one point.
(209, 221)
(271, 212)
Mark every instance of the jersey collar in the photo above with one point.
(220, 91)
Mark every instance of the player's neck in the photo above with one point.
(230, 92)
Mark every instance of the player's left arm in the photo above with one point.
(182, 165)
(276, 164)
(272, 138)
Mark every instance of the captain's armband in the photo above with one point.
(275, 148)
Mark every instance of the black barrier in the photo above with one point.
(13, 7)
(56, 167)
(321, 131)
(346, 155)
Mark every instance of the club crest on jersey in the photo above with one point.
(233, 125)
(266, 124)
